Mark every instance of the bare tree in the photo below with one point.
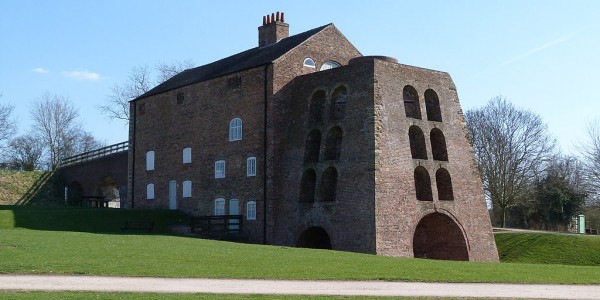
(84, 142)
(7, 123)
(55, 124)
(26, 152)
(590, 154)
(139, 81)
(511, 146)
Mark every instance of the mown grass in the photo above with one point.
(29, 187)
(153, 296)
(85, 247)
(544, 248)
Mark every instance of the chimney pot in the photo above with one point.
(277, 17)
(282, 19)
(273, 29)
(264, 20)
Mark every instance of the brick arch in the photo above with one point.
(432, 105)
(74, 192)
(439, 236)
(444, 184)
(412, 108)
(438, 145)
(308, 185)
(333, 143)
(339, 98)
(312, 146)
(107, 187)
(314, 237)
(416, 139)
(422, 184)
(317, 103)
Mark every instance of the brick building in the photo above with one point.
(316, 146)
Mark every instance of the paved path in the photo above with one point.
(237, 286)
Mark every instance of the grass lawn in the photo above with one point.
(85, 249)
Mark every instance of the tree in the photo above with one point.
(7, 123)
(138, 82)
(590, 154)
(26, 152)
(511, 147)
(83, 142)
(54, 123)
(559, 195)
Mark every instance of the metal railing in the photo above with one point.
(94, 154)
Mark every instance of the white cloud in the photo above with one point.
(83, 75)
(41, 70)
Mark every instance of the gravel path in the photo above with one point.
(238, 286)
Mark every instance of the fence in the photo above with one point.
(94, 154)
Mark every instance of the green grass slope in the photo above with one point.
(544, 248)
(89, 242)
(29, 187)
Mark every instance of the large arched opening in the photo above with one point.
(315, 238)
(74, 193)
(107, 187)
(437, 236)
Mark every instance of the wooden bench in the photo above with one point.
(138, 225)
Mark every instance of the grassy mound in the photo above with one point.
(544, 248)
(29, 187)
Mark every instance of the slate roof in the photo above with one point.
(238, 62)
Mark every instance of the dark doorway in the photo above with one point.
(315, 238)
(438, 237)
(74, 193)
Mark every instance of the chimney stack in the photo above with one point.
(273, 29)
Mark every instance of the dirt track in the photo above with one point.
(235, 286)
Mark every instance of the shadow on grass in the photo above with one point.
(93, 220)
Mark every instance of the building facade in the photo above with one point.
(316, 146)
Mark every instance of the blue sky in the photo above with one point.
(541, 55)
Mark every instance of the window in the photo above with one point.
(187, 189)
(412, 108)
(219, 207)
(432, 105)
(251, 166)
(438, 145)
(333, 144)
(338, 103)
(150, 191)
(309, 62)
(417, 143)
(235, 129)
(308, 185)
(187, 155)
(220, 169)
(444, 184)
(329, 185)
(149, 160)
(316, 107)
(423, 184)
(330, 64)
(251, 210)
(312, 147)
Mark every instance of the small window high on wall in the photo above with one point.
(308, 185)
(333, 144)
(338, 103)
(316, 106)
(312, 146)
(187, 155)
(149, 160)
(330, 64)
(444, 184)
(309, 62)
(438, 145)
(329, 185)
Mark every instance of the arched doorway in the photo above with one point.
(74, 193)
(108, 188)
(314, 237)
(438, 237)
